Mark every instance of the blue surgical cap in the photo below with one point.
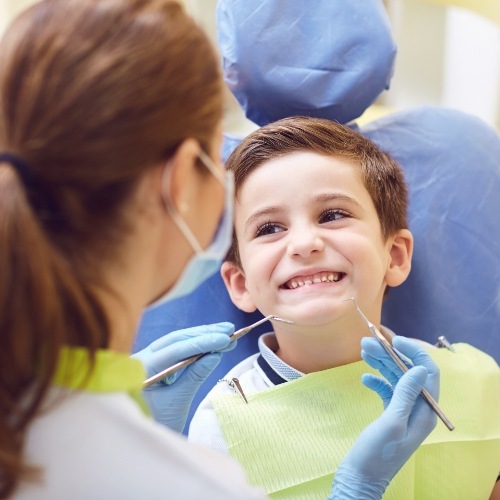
(323, 58)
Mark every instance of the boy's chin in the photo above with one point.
(316, 315)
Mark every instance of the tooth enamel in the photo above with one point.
(325, 277)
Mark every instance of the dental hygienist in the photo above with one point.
(110, 196)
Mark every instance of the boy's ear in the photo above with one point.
(401, 251)
(235, 282)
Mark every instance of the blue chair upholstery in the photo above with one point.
(452, 165)
(329, 59)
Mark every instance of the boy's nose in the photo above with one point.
(304, 241)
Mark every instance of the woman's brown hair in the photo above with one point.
(92, 93)
(382, 176)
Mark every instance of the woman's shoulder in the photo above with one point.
(92, 445)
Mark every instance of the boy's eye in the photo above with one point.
(332, 215)
(268, 228)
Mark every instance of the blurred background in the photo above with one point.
(448, 55)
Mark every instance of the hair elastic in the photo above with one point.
(21, 167)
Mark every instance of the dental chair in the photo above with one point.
(342, 60)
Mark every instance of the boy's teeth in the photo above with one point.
(317, 278)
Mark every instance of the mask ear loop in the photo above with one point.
(166, 186)
(208, 162)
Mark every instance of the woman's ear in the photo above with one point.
(235, 282)
(182, 177)
(401, 251)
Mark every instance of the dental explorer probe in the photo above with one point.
(186, 362)
(395, 356)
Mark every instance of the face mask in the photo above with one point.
(204, 263)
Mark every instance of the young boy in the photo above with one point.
(320, 217)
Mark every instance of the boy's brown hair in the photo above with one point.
(382, 176)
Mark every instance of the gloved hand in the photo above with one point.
(387, 443)
(170, 399)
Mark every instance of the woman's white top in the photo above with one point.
(101, 445)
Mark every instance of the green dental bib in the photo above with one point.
(291, 438)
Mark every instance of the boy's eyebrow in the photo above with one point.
(324, 197)
(336, 197)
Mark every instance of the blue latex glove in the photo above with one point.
(387, 443)
(170, 399)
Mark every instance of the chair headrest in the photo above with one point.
(280, 61)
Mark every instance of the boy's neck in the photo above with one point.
(309, 354)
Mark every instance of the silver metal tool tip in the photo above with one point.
(276, 318)
(360, 312)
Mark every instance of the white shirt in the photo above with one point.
(205, 428)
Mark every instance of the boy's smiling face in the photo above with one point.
(309, 237)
